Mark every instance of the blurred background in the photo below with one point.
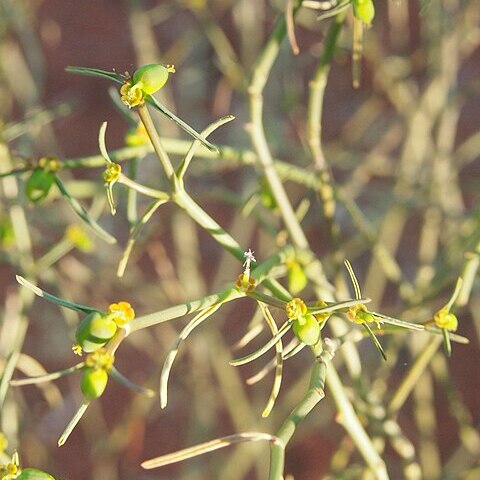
(403, 149)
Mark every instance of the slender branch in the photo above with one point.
(312, 397)
(162, 155)
(350, 421)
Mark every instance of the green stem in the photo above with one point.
(185, 201)
(314, 128)
(162, 155)
(149, 192)
(413, 375)
(177, 311)
(261, 72)
(317, 92)
(312, 397)
(350, 421)
(260, 76)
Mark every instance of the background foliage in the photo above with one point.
(403, 152)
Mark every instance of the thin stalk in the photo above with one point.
(261, 72)
(314, 128)
(185, 201)
(162, 155)
(149, 192)
(312, 397)
(183, 309)
(350, 421)
(317, 92)
(413, 375)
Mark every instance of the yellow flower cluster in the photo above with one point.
(112, 172)
(359, 314)
(121, 312)
(296, 308)
(100, 360)
(445, 319)
(132, 94)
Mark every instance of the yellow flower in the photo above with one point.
(121, 312)
(359, 314)
(445, 319)
(100, 360)
(112, 172)
(137, 136)
(78, 237)
(132, 94)
(50, 164)
(323, 316)
(3, 442)
(296, 308)
(245, 283)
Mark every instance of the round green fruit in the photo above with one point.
(94, 331)
(153, 77)
(307, 329)
(364, 10)
(38, 184)
(34, 474)
(93, 382)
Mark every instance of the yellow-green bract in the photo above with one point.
(153, 77)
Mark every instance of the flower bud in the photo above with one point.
(152, 77)
(93, 383)
(307, 329)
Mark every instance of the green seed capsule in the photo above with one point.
(297, 280)
(153, 77)
(307, 329)
(33, 474)
(364, 10)
(93, 383)
(38, 184)
(94, 331)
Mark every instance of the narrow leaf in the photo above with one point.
(83, 214)
(73, 423)
(398, 323)
(52, 298)
(172, 353)
(120, 378)
(353, 278)
(48, 377)
(196, 143)
(446, 342)
(207, 447)
(258, 353)
(184, 126)
(96, 72)
(102, 143)
(134, 234)
(375, 340)
(278, 360)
